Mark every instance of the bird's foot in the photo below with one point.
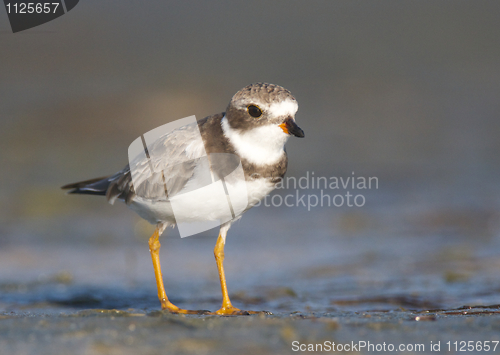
(172, 308)
(233, 311)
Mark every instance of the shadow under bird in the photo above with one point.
(255, 127)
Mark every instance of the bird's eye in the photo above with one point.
(254, 111)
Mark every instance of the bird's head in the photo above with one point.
(269, 107)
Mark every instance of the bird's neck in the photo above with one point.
(261, 145)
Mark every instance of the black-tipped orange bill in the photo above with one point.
(290, 127)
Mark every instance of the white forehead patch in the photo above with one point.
(283, 108)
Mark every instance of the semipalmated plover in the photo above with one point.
(255, 127)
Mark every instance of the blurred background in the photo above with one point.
(401, 90)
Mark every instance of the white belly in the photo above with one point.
(205, 204)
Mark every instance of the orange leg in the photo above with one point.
(154, 248)
(227, 308)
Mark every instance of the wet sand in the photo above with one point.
(363, 284)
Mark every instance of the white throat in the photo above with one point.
(261, 145)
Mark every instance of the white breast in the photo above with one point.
(261, 146)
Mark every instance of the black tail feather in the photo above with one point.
(97, 186)
(117, 186)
